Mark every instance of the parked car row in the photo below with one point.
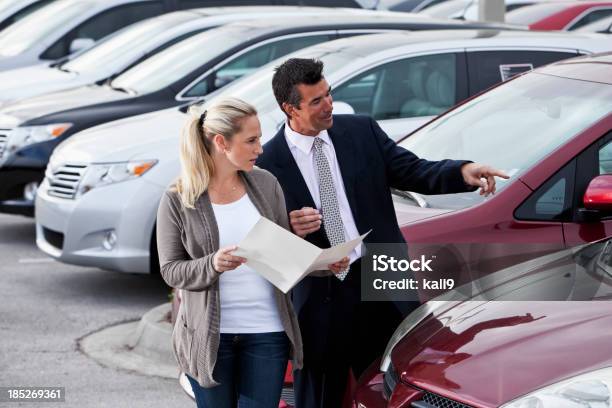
(42, 31)
(402, 80)
(32, 128)
(132, 45)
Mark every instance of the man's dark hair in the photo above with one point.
(291, 73)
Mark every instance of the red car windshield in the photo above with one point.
(512, 127)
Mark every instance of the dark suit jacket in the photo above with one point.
(370, 164)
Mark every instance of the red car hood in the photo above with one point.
(488, 353)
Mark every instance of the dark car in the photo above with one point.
(187, 71)
(536, 335)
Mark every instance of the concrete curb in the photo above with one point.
(144, 347)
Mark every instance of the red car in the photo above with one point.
(551, 130)
(491, 350)
(560, 15)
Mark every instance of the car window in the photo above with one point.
(22, 12)
(411, 87)
(177, 62)
(251, 60)
(600, 26)
(256, 89)
(532, 14)
(553, 200)
(511, 127)
(487, 68)
(122, 48)
(605, 159)
(104, 24)
(426, 5)
(397, 5)
(591, 17)
(36, 27)
(512, 7)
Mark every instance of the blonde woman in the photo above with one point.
(235, 331)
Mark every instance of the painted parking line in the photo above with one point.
(36, 260)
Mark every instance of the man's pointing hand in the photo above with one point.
(482, 176)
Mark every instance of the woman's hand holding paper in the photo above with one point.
(224, 261)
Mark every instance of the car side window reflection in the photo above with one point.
(553, 200)
(605, 159)
(591, 17)
(412, 87)
(104, 24)
(251, 60)
(487, 68)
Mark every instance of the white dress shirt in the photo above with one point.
(301, 147)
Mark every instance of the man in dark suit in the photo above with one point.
(336, 173)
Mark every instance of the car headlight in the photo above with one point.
(26, 135)
(590, 390)
(409, 323)
(98, 175)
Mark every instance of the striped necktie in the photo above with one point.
(332, 222)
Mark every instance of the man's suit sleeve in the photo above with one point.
(406, 171)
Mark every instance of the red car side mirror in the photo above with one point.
(598, 195)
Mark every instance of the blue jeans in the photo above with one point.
(251, 370)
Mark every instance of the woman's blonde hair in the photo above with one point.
(224, 117)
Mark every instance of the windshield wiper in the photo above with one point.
(409, 195)
(120, 89)
(62, 68)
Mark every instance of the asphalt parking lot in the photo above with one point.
(48, 306)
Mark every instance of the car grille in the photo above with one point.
(430, 400)
(64, 180)
(390, 380)
(3, 141)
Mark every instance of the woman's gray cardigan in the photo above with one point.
(187, 240)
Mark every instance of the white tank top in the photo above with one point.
(247, 299)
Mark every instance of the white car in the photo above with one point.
(121, 168)
(13, 10)
(132, 45)
(67, 26)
